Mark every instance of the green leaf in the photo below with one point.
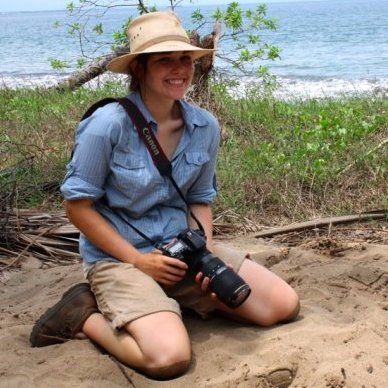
(73, 28)
(217, 15)
(70, 8)
(197, 16)
(233, 16)
(98, 29)
(81, 63)
(58, 64)
(254, 39)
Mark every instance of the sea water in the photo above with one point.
(328, 47)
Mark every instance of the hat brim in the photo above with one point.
(121, 64)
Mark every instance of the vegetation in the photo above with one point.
(234, 29)
(280, 161)
(303, 159)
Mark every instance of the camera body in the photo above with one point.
(190, 247)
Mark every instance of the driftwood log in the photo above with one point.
(320, 222)
(93, 70)
(49, 236)
(203, 66)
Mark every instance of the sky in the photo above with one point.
(40, 5)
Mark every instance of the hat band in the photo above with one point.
(161, 39)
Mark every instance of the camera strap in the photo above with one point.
(145, 132)
(158, 156)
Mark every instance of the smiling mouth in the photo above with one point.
(175, 82)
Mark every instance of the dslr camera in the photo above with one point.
(190, 247)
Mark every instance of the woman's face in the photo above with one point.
(168, 75)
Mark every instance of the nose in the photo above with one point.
(178, 64)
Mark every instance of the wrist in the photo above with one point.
(133, 257)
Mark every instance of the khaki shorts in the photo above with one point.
(124, 293)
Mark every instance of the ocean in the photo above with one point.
(328, 47)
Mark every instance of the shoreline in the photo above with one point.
(288, 89)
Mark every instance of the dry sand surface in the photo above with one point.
(339, 340)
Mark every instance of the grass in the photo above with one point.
(303, 159)
(280, 161)
(37, 133)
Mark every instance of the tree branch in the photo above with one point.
(323, 222)
(93, 70)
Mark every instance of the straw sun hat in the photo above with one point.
(155, 32)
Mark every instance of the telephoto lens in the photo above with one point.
(229, 287)
(190, 247)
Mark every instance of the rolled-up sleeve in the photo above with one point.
(90, 164)
(204, 189)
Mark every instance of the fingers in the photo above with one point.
(169, 279)
(204, 283)
(175, 263)
(171, 274)
(198, 277)
(163, 269)
(202, 280)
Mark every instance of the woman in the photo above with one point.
(112, 181)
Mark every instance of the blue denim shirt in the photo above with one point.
(112, 166)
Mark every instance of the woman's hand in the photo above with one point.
(163, 269)
(204, 283)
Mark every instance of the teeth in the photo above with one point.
(175, 81)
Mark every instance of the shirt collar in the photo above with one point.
(191, 115)
(136, 98)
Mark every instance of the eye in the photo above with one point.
(186, 60)
(164, 60)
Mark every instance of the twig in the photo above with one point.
(381, 144)
(22, 252)
(322, 222)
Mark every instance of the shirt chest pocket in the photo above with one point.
(132, 176)
(197, 158)
(191, 167)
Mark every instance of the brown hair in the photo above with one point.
(138, 72)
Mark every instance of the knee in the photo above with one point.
(167, 371)
(283, 310)
(288, 309)
(292, 312)
(168, 364)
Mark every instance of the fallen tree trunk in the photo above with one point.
(90, 72)
(323, 222)
(202, 71)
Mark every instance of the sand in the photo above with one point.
(339, 340)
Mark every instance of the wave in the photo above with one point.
(329, 88)
(288, 88)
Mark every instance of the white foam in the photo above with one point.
(330, 88)
(288, 89)
(50, 80)
(29, 81)
(302, 89)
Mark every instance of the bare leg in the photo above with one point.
(271, 301)
(157, 344)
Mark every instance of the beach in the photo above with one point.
(327, 48)
(339, 340)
